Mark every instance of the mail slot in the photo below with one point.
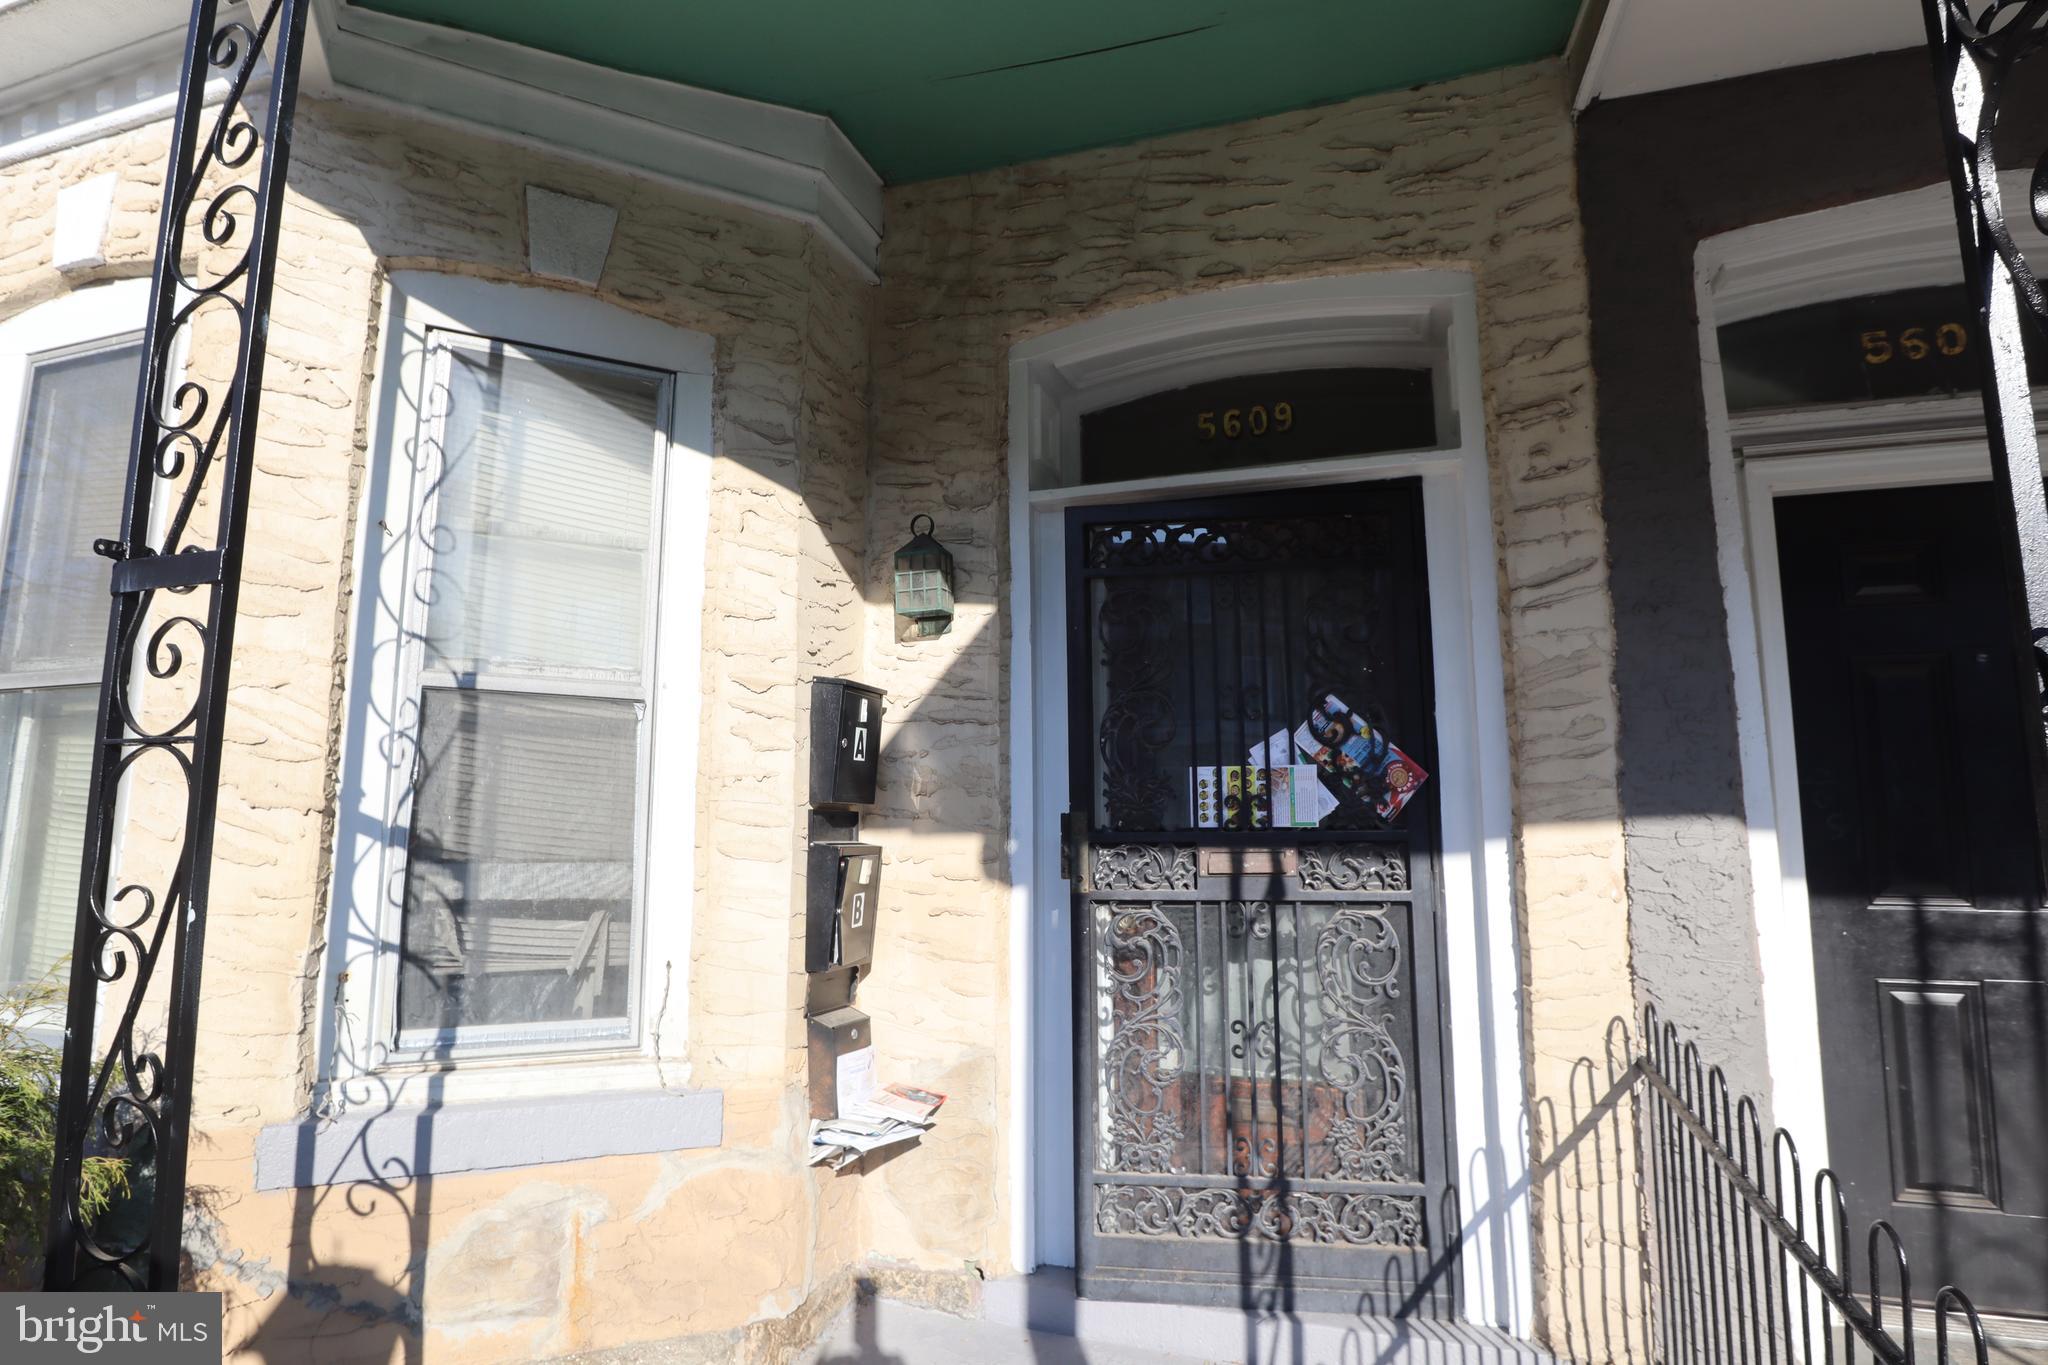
(1250, 862)
(843, 894)
(846, 732)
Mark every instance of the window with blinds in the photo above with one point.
(63, 490)
(529, 624)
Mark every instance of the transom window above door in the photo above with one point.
(1260, 419)
(1189, 403)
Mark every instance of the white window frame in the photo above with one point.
(360, 1052)
(101, 318)
(416, 504)
(96, 318)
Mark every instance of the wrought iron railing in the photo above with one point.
(1976, 45)
(1751, 1261)
(147, 867)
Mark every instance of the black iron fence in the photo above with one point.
(1753, 1261)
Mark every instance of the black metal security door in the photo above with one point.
(1253, 839)
(1930, 943)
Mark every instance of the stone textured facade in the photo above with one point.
(717, 1245)
(840, 411)
(1474, 175)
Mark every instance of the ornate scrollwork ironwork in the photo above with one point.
(1975, 48)
(1143, 867)
(1146, 1049)
(1264, 540)
(1139, 720)
(1992, 41)
(1354, 867)
(1358, 966)
(1269, 1214)
(127, 1092)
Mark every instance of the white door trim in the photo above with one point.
(1334, 321)
(1900, 241)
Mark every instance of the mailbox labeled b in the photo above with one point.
(843, 896)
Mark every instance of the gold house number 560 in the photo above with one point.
(1879, 347)
(1255, 420)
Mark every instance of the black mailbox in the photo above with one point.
(843, 893)
(842, 1058)
(846, 732)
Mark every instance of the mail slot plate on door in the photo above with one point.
(1250, 862)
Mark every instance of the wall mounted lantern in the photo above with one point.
(924, 585)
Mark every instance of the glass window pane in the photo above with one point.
(1260, 419)
(519, 880)
(45, 773)
(542, 526)
(67, 492)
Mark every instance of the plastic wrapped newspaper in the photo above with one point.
(894, 1114)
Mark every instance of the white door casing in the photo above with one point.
(1379, 318)
(1901, 241)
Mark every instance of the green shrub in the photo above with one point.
(28, 1131)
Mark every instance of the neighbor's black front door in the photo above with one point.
(1260, 1085)
(1930, 944)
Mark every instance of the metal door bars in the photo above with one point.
(1974, 56)
(193, 441)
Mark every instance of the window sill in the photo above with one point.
(391, 1146)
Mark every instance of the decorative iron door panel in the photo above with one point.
(1252, 839)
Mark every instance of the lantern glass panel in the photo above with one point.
(924, 579)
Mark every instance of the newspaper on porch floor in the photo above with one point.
(891, 1115)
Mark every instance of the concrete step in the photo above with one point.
(1038, 1319)
(2008, 1341)
(879, 1332)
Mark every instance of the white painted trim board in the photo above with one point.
(352, 1073)
(1248, 329)
(776, 160)
(1898, 242)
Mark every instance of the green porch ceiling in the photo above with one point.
(927, 88)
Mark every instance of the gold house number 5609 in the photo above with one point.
(1255, 420)
(1880, 348)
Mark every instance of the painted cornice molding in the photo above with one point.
(1873, 246)
(99, 96)
(766, 157)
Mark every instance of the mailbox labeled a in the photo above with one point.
(844, 894)
(846, 732)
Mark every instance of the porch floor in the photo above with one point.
(899, 1334)
(1073, 1331)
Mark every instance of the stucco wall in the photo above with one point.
(811, 493)
(1476, 175)
(1659, 173)
(570, 1257)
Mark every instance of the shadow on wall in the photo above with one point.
(1591, 1226)
(361, 1224)
(866, 1346)
(349, 1312)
